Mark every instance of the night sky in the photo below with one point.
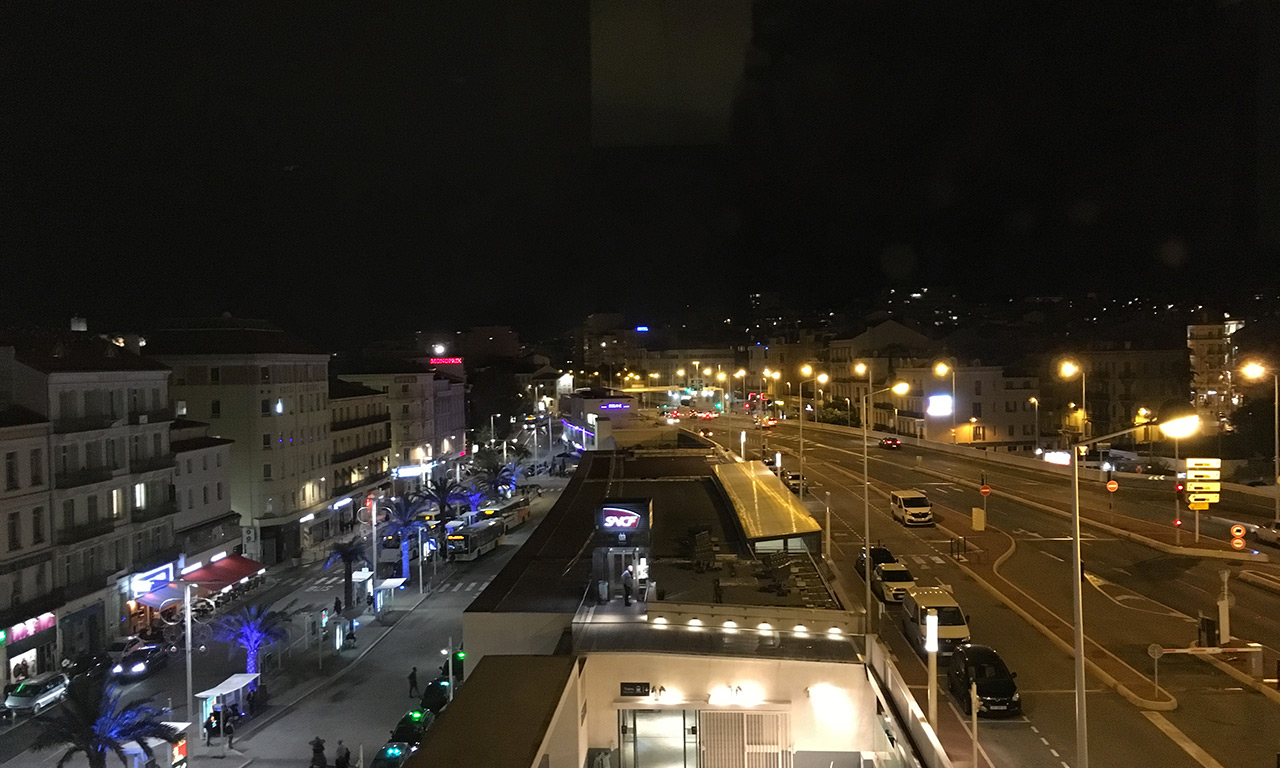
(351, 169)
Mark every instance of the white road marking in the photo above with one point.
(471, 586)
(1055, 557)
(936, 559)
(1181, 739)
(1044, 741)
(1054, 752)
(456, 587)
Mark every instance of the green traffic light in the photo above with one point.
(462, 654)
(415, 715)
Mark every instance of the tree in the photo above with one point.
(348, 553)
(492, 474)
(92, 720)
(444, 492)
(403, 521)
(253, 628)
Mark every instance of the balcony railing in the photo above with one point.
(345, 489)
(84, 424)
(86, 586)
(153, 511)
(151, 417)
(157, 558)
(151, 464)
(338, 426)
(85, 532)
(81, 477)
(356, 453)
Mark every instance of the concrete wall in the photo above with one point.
(839, 716)
(512, 633)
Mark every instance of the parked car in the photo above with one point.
(1269, 533)
(879, 555)
(393, 754)
(795, 481)
(953, 624)
(411, 727)
(39, 692)
(890, 442)
(890, 581)
(997, 691)
(435, 696)
(141, 662)
(93, 666)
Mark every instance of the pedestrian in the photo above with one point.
(341, 756)
(626, 586)
(210, 725)
(413, 682)
(249, 699)
(337, 606)
(229, 728)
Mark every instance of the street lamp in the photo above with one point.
(1176, 420)
(900, 388)
(848, 404)
(721, 377)
(742, 374)
(942, 370)
(1068, 369)
(821, 378)
(1256, 371)
(1036, 403)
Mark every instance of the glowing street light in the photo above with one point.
(1176, 420)
(900, 388)
(1255, 371)
(821, 378)
(941, 369)
(1067, 370)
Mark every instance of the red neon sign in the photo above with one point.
(446, 361)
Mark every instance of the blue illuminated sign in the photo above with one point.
(642, 329)
(615, 406)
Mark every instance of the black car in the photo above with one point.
(411, 727)
(878, 555)
(997, 691)
(91, 666)
(435, 696)
(140, 663)
(890, 442)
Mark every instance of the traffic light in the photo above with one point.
(1180, 490)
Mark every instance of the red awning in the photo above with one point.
(221, 573)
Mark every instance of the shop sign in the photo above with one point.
(622, 517)
(142, 583)
(178, 754)
(19, 632)
(634, 689)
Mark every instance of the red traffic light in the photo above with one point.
(1179, 486)
(1177, 522)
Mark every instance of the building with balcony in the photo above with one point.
(1214, 363)
(204, 523)
(982, 406)
(106, 480)
(360, 428)
(267, 392)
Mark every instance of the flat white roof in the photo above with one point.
(765, 507)
(230, 685)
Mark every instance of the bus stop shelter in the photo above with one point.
(382, 593)
(228, 693)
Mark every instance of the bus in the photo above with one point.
(472, 541)
(512, 512)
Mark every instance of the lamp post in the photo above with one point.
(931, 648)
(848, 404)
(1036, 402)
(721, 377)
(742, 374)
(1257, 371)
(1177, 420)
(819, 379)
(899, 388)
(1068, 369)
(942, 369)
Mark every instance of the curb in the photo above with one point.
(1259, 580)
(1257, 685)
(321, 682)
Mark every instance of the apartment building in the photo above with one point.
(1214, 363)
(360, 428)
(110, 500)
(205, 523)
(982, 406)
(267, 392)
(409, 388)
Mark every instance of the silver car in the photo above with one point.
(1270, 533)
(891, 581)
(37, 693)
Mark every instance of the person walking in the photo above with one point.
(341, 756)
(626, 586)
(337, 606)
(229, 730)
(413, 683)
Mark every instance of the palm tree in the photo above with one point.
(348, 553)
(253, 628)
(93, 721)
(492, 474)
(404, 522)
(444, 492)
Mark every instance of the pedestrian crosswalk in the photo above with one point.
(922, 562)
(326, 583)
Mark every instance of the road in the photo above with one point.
(1135, 597)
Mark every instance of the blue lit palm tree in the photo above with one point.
(253, 628)
(492, 474)
(92, 720)
(403, 520)
(445, 493)
(348, 553)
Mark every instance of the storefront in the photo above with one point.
(317, 527)
(31, 647)
(622, 547)
(148, 593)
(83, 630)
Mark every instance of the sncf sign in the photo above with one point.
(620, 519)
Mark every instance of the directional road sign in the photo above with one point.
(1204, 463)
(1203, 486)
(1202, 498)
(1203, 474)
(1198, 505)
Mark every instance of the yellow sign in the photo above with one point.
(1198, 506)
(1202, 498)
(1204, 463)
(1203, 487)
(1203, 474)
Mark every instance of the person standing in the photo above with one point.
(626, 586)
(341, 756)
(413, 682)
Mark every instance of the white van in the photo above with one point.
(911, 507)
(953, 625)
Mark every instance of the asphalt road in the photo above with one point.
(1135, 596)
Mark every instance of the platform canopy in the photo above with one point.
(766, 509)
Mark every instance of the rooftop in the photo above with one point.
(340, 390)
(225, 335)
(51, 351)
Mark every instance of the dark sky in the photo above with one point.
(355, 168)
